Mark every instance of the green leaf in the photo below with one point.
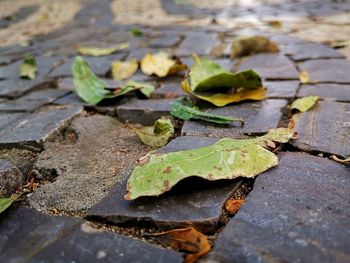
(101, 51)
(206, 75)
(304, 104)
(136, 32)
(93, 90)
(226, 159)
(248, 45)
(28, 68)
(185, 110)
(157, 135)
(5, 203)
(88, 86)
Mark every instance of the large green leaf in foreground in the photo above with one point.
(226, 159)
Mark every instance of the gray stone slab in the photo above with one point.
(27, 235)
(13, 88)
(100, 149)
(192, 202)
(326, 91)
(145, 112)
(310, 51)
(32, 101)
(325, 128)
(327, 70)
(223, 62)
(168, 90)
(296, 212)
(259, 117)
(281, 89)
(165, 42)
(199, 43)
(31, 130)
(270, 66)
(10, 178)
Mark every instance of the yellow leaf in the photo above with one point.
(305, 103)
(304, 77)
(161, 64)
(101, 51)
(222, 99)
(185, 239)
(124, 69)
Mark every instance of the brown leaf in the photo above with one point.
(233, 205)
(185, 239)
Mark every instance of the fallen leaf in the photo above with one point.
(101, 51)
(28, 68)
(124, 69)
(210, 82)
(233, 205)
(5, 203)
(93, 90)
(184, 109)
(136, 32)
(188, 240)
(304, 77)
(157, 135)
(248, 45)
(161, 64)
(304, 104)
(225, 159)
(343, 161)
(87, 85)
(275, 24)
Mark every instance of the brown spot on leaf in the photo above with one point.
(143, 160)
(210, 176)
(167, 170)
(166, 185)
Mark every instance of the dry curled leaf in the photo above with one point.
(161, 64)
(233, 205)
(188, 240)
(343, 161)
(124, 69)
(101, 51)
(248, 45)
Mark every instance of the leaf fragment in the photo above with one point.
(225, 159)
(28, 67)
(304, 77)
(248, 45)
(136, 32)
(124, 69)
(305, 103)
(5, 203)
(343, 161)
(210, 82)
(161, 64)
(185, 110)
(232, 205)
(185, 239)
(101, 51)
(157, 135)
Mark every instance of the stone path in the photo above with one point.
(72, 160)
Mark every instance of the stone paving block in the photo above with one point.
(165, 42)
(281, 89)
(44, 66)
(31, 130)
(84, 178)
(13, 88)
(99, 65)
(192, 202)
(326, 91)
(270, 66)
(325, 128)
(32, 101)
(327, 70)
(259, 117)
(10, 178)
(145, 112)
(199, 43)
(296, 212)
(27, 235)
(310, 51)
(168, 90)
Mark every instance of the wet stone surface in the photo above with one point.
(259, 117)
(91, 169)
(317, 131)
(199, 43)
(182, 206)
(298, 209)
(340, 92)
(327, 70)
(281, 89)
(15, 88)
(67, 239)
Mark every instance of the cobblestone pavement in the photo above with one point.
(72, 160)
